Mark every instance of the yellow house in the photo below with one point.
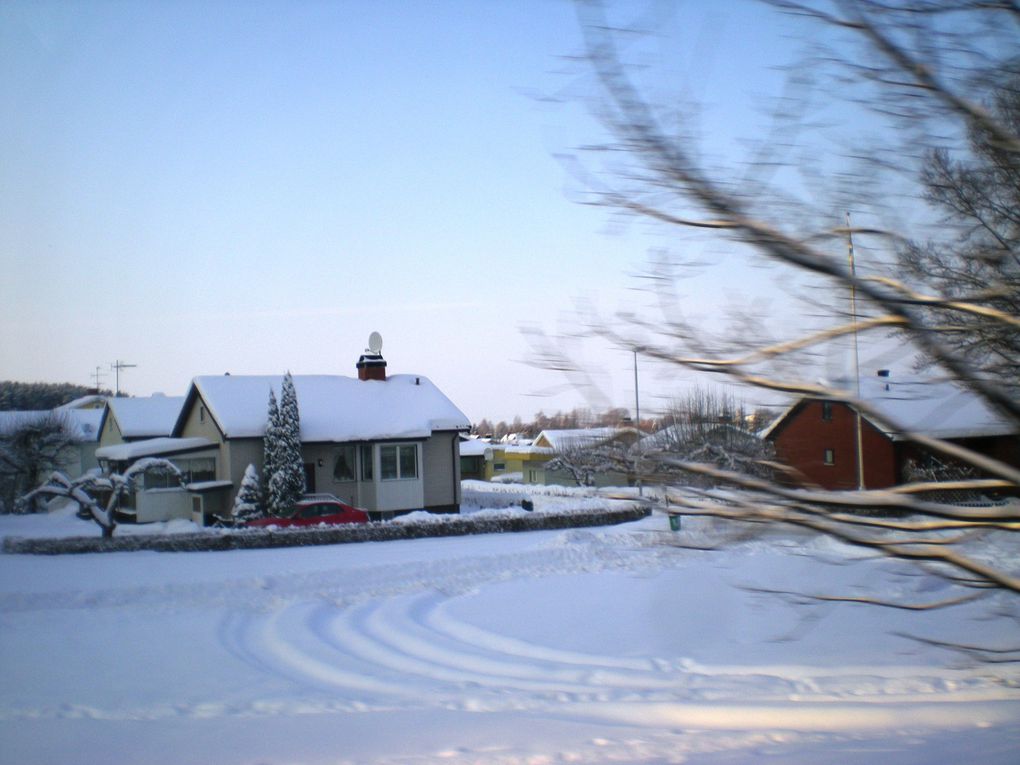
(515, 462)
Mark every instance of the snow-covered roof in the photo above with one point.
(527, 449)
(933, 407)
(92, 401)
(562, 440)
(84, 424)
(151, 447)
(333, 408)
(148, 416)
(668, 436)
(473, 447)
(201, 486)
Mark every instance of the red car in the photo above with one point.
(312, 512)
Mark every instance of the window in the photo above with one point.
(827, 412)
(408, 461)
(829, 457)
(201, 414)
(398, 461)
(203, 469)
(194, 470)
(344, 467)
(366, 462)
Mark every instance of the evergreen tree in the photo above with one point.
(283, 470)
(291, 464)
(248, 502)
(271, 460)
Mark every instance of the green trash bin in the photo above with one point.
(674, 522)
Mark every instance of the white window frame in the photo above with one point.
(398, 449)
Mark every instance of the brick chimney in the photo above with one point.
(371, 366)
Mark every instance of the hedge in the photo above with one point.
(251, 539)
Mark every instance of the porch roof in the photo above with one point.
(152, 447)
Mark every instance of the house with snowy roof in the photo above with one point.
(128, 419)
(472, 457)
(387, 444)
(528, 462)
(818, 438)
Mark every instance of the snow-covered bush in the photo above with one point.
(248, 502)
(250, 539)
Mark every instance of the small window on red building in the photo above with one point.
(829, 457)
(826, 410)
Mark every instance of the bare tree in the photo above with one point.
(99, 497)
(31, 445)
(585, 458)
(978, 197)
(936, 73)
(705, 427)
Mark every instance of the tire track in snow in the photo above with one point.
(409, 652)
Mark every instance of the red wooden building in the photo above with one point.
(818, 438)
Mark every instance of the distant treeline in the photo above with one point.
(22, 396)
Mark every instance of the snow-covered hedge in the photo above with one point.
(249, 539)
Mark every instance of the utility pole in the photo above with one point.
(857, 361)
(637, 424)
(119, 365)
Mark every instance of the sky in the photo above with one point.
(254, 187)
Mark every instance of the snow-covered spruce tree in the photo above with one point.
(283, 471)
(248, 502)
(271, 452)
(291, 465)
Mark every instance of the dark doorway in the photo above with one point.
(309, 478)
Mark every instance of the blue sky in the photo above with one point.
(198, 188)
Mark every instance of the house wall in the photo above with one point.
(238, 454)
(197, 426)
(162, 505)
(437, 468)
(472, 467)
(402, 494)
(111, 434)
(325, 483)
(544, 476)
(803, 438)
(495, 462)
(88, 457)
(441, 472)
(1002, 448)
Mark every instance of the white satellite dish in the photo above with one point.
(375, 342)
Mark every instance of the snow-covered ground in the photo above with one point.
(591, 646)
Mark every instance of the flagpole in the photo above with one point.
(857, 360)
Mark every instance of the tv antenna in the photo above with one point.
(97, 378)
(119, 365)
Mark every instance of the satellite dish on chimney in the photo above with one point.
(375, 342)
